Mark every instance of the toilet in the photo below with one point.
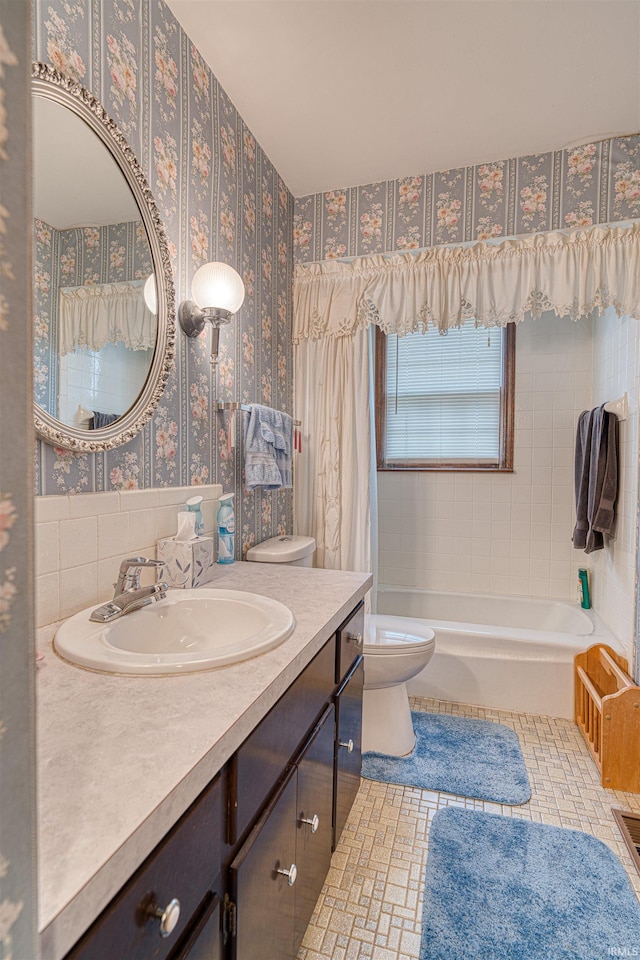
(395, 650)
(292, 551)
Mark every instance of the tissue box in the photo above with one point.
(187, 563)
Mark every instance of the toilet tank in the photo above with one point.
(293, 551)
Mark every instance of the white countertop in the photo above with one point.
(121, 758)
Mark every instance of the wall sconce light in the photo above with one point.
(218, 292)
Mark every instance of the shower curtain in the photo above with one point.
(333, 489)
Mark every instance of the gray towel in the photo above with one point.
(596, 478)
(603, 483)
(581, 478)
(102, 420)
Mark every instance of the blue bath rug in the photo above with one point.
(470, 758)
(500, 888)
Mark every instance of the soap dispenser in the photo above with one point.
(226, 521)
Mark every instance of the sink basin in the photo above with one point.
(190, 630)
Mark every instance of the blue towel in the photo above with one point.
(268, 448)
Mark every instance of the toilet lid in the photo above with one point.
(388, 634)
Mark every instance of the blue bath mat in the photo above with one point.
(471, 758)
(499, 888)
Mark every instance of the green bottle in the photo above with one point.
(583, 589)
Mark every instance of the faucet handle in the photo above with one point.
(129, 573)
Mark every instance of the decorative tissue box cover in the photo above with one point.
(187, 563)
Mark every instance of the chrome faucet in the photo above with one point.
(129, 595)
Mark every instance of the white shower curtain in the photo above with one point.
(332, 496)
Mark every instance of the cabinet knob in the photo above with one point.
(290, 874)
(348, 745)
(168, 917)
(314, 822)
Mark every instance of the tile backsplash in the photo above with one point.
(81, 540)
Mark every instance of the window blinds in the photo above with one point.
(443, 396)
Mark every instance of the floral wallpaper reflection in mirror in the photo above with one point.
(219, 197)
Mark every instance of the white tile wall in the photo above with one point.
(81, 540)
(615, 371)
(501, 533)
(511, 533)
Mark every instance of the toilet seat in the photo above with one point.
(386, 635)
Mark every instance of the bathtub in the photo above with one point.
(509, 653)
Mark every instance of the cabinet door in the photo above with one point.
(348, 746)
(265, 897)
(314, 820)
(265, 754)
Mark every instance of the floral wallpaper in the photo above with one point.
(220, 198)
(76, 257)
(593, 183)
(18, 909)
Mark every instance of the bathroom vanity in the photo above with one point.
(264, 761)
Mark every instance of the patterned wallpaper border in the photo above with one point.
(593, 183)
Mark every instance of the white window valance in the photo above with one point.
(494, 283)
(101, 313)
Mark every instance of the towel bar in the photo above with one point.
(235, 405)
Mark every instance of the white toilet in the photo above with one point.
(395, 650)
(292, 551)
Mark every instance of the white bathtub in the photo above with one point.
(510, 653)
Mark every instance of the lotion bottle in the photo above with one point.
(226, 521)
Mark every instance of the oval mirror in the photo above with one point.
(104, 324)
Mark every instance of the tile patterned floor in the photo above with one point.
(371, 904)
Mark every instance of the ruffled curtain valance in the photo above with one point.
(101, 313)
(568, 272)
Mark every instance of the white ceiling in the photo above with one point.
(344, 92)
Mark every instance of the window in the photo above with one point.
(445, 402)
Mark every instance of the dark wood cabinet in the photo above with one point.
(270, 748)
(348, 746)
(248, 859)
(281, 866)
(181, 871)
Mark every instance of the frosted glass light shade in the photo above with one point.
(218, 286)
(150, 295)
